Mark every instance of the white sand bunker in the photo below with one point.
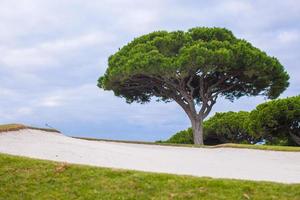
(217, 163)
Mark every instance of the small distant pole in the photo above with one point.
(47, 125)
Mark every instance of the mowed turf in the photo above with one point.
(11, 127)
(260, 147)
(17, 127)
(226, 145)
(25, 178)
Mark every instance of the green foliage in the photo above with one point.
(26, 179)
(158, 63)
(278, 121)
(230, 127)
(182, 137)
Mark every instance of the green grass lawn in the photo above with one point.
(260, 147)
(228, 145)
(11, 127)
(16, 127)
(24, 178)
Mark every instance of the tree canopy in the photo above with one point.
(230, 127)
(278, 121)
(192, 68)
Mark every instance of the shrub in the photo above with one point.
(182, 137)
(230, 127)
(221, 128)
(278, 121)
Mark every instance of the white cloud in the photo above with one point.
(288, 36)
(26, 59)
(235, 7)
(15, 114)
(49, 54)
(90, 39)
(52, 101)
(23, 111)
(5, 92)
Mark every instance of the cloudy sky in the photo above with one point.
(53, 51)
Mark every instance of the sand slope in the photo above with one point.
(218, 163)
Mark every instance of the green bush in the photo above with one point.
(278, 121)
(230, 127)
(182, 137)
(186, 137)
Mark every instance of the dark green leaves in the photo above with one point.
(278, 120)
(230, 127)
(209, 34)
(205, 54)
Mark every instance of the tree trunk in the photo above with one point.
(197, 126)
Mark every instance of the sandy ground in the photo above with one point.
(218, 163)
